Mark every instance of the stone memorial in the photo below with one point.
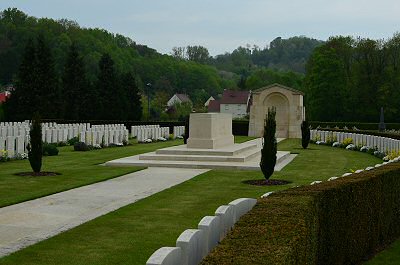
(290, 111)
(210, 130)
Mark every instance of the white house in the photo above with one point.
(235, 102)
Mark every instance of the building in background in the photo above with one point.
(235, 102)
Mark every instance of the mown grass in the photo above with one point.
(131, 234)
(76, 168)
(389, 256)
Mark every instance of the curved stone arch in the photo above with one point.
(289, 99)
(281, 104)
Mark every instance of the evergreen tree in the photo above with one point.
(305, 134)
(47, 82)
(269, 150)
(24, 99)
(108, 89)
(133, 103)
(74, 85)
(35, 151)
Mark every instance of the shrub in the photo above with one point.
(305, 134)
(73, 141)
(81, 146)
(347, 141)
(335, 222)
(50, 150)
(269, 150)
(35, 145)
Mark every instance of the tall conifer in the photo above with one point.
(269, 150)
(75, 87)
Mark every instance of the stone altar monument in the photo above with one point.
(210, 130)
(290, 111)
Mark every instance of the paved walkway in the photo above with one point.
(29, 222)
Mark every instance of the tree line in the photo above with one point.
(350, 79)
(39, 89)
(165, 73)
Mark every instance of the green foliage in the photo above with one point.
(35, 146)
(264, 77)
(50, 149)
(73, 141)
(281, 54)
(81, 146)
(75, 87)
(269, 150)
(351, 79)
(305, 134)
(347, 141)
(70, 54)
(335, 222)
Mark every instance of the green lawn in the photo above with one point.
(131, 234)
(76, 168)
(389, 256)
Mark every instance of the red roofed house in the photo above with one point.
(235, 102)
(4, 96)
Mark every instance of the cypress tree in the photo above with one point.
(35, 146)
(24, 99)
(47, 82)
(108, 89)
(133, 103)
(269, 150)
(305, 134)
(75, 87)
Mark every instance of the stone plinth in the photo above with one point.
(210, 130)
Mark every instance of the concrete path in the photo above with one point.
(27, 223)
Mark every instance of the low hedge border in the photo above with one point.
(335, 222)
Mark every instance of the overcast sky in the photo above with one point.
(222, 25)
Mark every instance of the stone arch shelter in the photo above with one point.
(290, 111)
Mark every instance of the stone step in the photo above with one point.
(282, 158)
(242, 157)
(182, 150)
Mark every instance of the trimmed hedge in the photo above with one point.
(337, 222)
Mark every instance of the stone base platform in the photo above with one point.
(245, 156)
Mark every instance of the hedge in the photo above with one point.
(337, 222)
(358, 125)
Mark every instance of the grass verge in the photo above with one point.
(76, 168)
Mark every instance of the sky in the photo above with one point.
(222, 25)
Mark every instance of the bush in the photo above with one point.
(335, 222)
(347, 141)
(50, 150)
(35, 146)
(269, 149)
(81, 146)
(305, 134)
(73, 141)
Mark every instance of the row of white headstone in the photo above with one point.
(104, 137)
(14, 136)
(195, 244)
(383, 144)
(155, 132)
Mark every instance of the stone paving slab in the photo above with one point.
(29, 222)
